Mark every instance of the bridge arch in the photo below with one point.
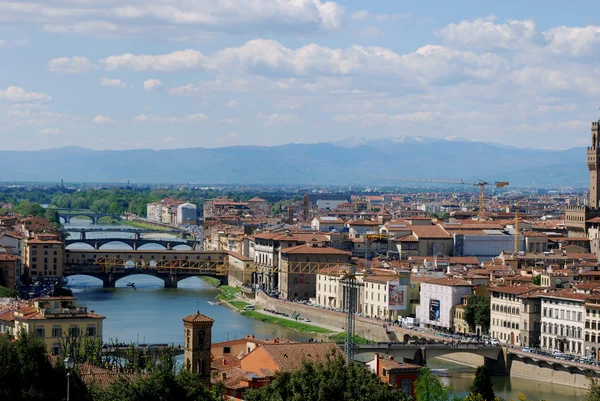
(85, 280)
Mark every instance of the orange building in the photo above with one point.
(397, 374)
(250, 363)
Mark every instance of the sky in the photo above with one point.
(162, 74)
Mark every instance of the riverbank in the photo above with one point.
(140, 224)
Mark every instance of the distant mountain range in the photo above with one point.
(355, 161)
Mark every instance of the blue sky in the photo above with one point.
(127, 74)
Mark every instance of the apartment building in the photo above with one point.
(293, 283)
(592, 327)
(563, 321)
(187, 213)
(515, 316)
(9, 272)
(53, 319)
(166, 211)
(43, 257)
(265, 249)
(438, 296)
(386, 297)
(327, 223)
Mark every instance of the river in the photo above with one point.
(152, 314)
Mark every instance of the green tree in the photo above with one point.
(27, 208)
(161, 384)
(333, 380)
(482, 385)
(537, 280)
(430, 388)
(26, 373)
(593, 393)
(7, 292)
(477, 312)
(52, 216)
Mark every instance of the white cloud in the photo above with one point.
(485, 34)
(429, 63)
(112, 83)
(232, 103)
(140, 119)
(573, 42)
(170, 139)
(49, 131)
(152, 85)
(384, 118)
(182, 17)
(16, 94)
(177, 60)
(276, 120)
(102, 120)
(187, 119)
(13, 43)
(230, 137)
(71, 65)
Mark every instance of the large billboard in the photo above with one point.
(434, 310)
(397, 296)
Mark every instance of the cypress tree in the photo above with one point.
(482, 385)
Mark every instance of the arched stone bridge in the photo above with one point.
(494, 356)
(66, 217)
(170, 266)
(134, 243)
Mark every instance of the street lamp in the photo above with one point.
(69, 364)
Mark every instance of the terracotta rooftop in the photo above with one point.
(453, 282)
(198, 318)
(316, 250)
(289, 357)
(517, 289)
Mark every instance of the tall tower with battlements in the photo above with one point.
(578, 218)
(593, 158)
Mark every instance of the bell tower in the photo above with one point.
(197, 341)
(593, 158)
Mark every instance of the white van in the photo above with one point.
(249, 307)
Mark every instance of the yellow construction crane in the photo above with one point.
(481, 184)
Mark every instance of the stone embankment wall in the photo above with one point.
(467, 359)
(560, 375)
(364, 328)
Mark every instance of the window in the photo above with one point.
(74, 331)
(40, 332)
(226, 350)
(91, 331)
(57, 332)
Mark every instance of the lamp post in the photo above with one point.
(69, 364)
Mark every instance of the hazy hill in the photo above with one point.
(356, 161)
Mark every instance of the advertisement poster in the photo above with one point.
(434, 310)
(397, 296)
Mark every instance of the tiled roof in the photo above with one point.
(430, 232)
(198, 318)
(289, 357)
(391, 364)
(453, 282)
(362, 223)
(517, 289)
(321, 250)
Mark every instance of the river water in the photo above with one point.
(152, 314)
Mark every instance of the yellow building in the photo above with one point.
(54, 319)
(43, 257)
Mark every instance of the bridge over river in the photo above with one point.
(170, 266)
(134, 243)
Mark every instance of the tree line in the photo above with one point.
(26, 374)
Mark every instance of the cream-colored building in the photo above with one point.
(515, 315)
(563, 321)
(53, 319)
(386, 296)
(43, 257)
(241, 269)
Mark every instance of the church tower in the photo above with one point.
(593, 158)
(197, 341)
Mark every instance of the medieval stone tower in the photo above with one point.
(578, 218)
(593, 158)
(197, 340)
